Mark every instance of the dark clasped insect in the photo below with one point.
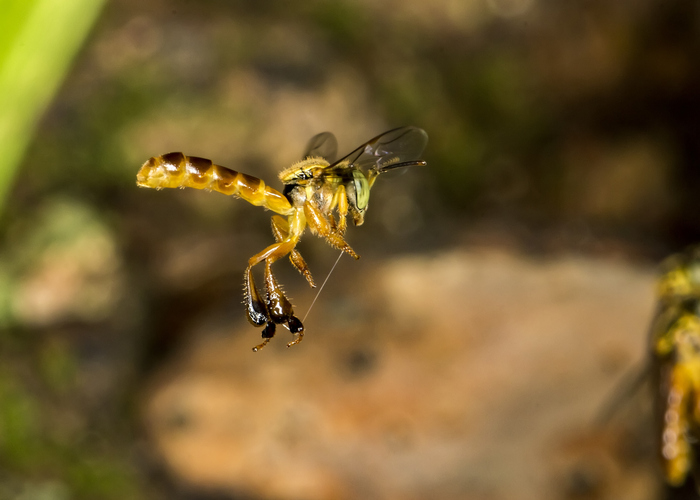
(675, 345)
(314, 188)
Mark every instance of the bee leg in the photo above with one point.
(257, 310)
(267, 333)
(296, 327)
(300, 331)
(300, 264)
(318, 223)
(255, 305)
(342, 209)
(278, 305)
(278, 309)
(280, 230)
(281, 310)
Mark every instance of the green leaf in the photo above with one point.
(38, 41)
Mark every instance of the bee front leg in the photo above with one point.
(319, 224)
(342, 204)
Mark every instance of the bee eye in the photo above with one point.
(361, 190)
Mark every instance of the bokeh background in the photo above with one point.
(503, 293)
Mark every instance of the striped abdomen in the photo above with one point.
(177, 170)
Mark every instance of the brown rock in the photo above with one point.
(458, 375)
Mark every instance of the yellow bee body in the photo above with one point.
(314, 189)
(675, 344)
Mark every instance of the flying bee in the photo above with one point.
(314, 188)
(675, 346)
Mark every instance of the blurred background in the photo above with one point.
(503, 294)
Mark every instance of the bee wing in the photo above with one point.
(322, 145)
(400, 147)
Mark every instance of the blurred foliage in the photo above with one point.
(38, 40)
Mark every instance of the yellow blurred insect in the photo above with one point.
(313, 189)
(675, 345)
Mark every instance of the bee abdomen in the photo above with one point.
(174, 170)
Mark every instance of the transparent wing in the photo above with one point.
(396, 148)
(322, 145)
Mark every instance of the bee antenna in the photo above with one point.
(321, 288)
(418, 163)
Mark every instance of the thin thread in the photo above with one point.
(324, 284)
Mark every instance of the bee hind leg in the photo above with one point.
(267, 333)
(257, 310)
(281, 310)
(278, 309)
(275, 309)
(296, 328)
